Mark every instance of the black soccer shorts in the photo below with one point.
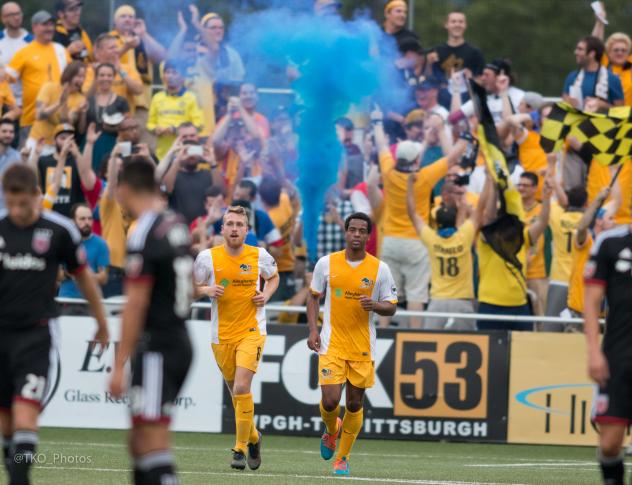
(159, 368)
(26, 355)
(613, 403)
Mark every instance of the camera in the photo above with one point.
(462, 180)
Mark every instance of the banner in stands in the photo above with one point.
(428, 386)
(550, 394)
(78, 394)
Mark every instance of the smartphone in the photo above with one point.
(195, 151)
(125, 148)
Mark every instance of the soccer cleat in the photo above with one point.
(239, 460)
(328, 442)
(341, 466)
(254, 454)
(628, 450)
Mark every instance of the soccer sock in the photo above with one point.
(155, 468)
(351, 426)
(24, 444)
(244, 411)
(7, 443)
(611, 468)
(254, 433)
(330, 418)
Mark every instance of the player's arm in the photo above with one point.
(89, 289)
(589, 216)
(263, 297)
(417, 221)
(138, 296)
(386, 303)
(382, 308)
(204, 282)
(313, 310)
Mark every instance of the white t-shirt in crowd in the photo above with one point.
(8, 47)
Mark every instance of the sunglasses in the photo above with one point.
(622, 50)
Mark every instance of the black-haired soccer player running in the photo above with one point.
(159, 286)
(33, 244)
(609, 274)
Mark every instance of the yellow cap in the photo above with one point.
(64, 128)
(125, 10)
(394, 4)
(210, 16)
(415, 116)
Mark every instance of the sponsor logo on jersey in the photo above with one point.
(366, 283)
(41, 240)
(22, 262)
(338, 292)
(225, 282)
(245, 268)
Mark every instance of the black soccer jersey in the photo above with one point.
(159, 251)
(610, 265)
(29, 260)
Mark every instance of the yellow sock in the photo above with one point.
(330, 418)
(244, 411)
(254, 434)
(351, 426)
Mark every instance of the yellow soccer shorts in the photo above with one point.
(246, 353)
(334, 370)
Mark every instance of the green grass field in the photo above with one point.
(203, 459)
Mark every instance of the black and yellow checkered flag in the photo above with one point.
(606, 136)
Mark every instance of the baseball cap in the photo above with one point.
(62, 5)
(64, 128)
(345, 123)
(415, 116)
(498, 65)
(533, 99)
(408, 150)
(430, 82)
(41, 17)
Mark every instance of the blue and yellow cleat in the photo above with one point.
(328, 442)
(341, 466)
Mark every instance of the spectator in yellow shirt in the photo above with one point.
(172, 107)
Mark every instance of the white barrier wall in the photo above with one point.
(79, 398)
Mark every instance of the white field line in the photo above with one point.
(559, 464)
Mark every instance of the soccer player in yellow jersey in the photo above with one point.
(355, 285)
(563, 222)
(450, 250)
(230, 275)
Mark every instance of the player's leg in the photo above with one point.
(331, 377)
(150, 448)
(610, 454)
(6, 428)
(244, 416)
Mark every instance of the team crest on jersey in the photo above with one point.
(41, 240)
(326, 373)
(134, 265)
(589, 269)
(366, 283)
(245, 268)
(601, 404)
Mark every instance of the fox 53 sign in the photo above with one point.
(427, 386)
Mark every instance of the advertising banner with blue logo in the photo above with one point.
(550, 394)
(428, 386)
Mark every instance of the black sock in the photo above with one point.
(24, 444)
(157, 468)
(7, 443)
(612, 469)
(139, 476)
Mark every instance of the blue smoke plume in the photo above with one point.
(340, 64)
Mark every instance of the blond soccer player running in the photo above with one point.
(355, 285)
(230, 276)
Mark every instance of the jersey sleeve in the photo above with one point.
(15, 67)
(597, 269)
(434, 172)
(267, 264)
(320, 275)
(140, 265)
(387, 290)
(203, 268)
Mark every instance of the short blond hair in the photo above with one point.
(618, 37)
(239, 210)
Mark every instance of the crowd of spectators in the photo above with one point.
(76, 108)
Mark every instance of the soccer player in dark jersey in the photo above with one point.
(609, 274)
(33, 244)
(159, 287)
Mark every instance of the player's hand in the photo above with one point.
(259, 299)
(102, 336)
(117, 382)
(367, 304)
(598, 367)
(313, 341)
(216, 291)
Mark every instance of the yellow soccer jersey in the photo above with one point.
(234, 316)
(536, 267)
(563, 225)
(580, 257)
(34, 65)
(451, 263)
(49, 95)
(348, 331)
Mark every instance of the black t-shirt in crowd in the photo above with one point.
(465, 56)
(29, 261)
(610, 265)
(188, 194)
(159, 252)
(95, 112)
(70, 192)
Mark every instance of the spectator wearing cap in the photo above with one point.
(411, 63)
(427, 97)
(592, 80)
(413, 128)
(68, 31)
(59, 102)
(172, 107)
(352, 170)
(124, 81)
(140, 51)
(39, 62)
(69, 192)
(457, 54)
(12, 39)
(401, 248)
(395, 17)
